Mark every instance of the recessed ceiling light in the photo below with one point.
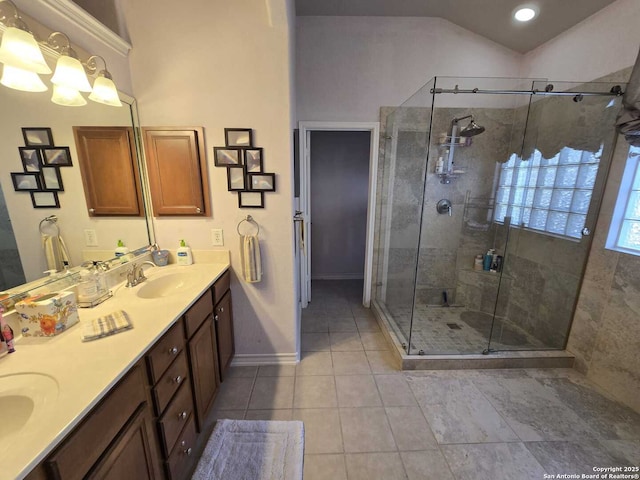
(524, 14)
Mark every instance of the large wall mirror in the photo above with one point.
(22, 257)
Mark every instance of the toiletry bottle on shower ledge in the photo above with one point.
(488, 260)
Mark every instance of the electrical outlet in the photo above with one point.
(216, 237)
(90, 238)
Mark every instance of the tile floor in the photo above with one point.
(366, 420)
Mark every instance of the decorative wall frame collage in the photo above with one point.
(245, 167)
(41, 163)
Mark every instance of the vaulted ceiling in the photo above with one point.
(492, 19)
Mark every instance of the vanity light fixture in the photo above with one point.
(67, 97)
(23, 61)
(20, 79)
(525, 13)
(69, 71)
(104, 90)
(19, 48)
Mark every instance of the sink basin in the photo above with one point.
(24, 397)
(165, 285)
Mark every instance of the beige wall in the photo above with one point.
(603, 43)
(217, 64)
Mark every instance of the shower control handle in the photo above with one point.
(444, 206)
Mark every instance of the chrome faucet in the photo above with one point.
(135, 274)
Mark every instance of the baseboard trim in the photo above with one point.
(252, 360)
(340, 276)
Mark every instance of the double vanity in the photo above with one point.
(131, 405)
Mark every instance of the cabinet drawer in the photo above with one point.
(198, 313)
(176, 375)
(183, 457)
(221, 286)
(165, 352)
(80, 451)
(175, 417)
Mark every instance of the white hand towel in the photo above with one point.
(55, 252)
(250, 256)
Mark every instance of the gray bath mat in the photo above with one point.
(253, 450)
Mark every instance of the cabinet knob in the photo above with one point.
(182, 415)
(173, 350)
(216, 318)
(92, 210)
(198, 210)
(188, 452)
(178, 379)
(221, 309)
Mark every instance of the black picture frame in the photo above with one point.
(26, 181)
(50, 179)
(58, 156)
(226, 156)
(247, 199)
(45, 200)
(253, 160)
(238, 137)
(261, 182)
(37, 136)
(236, 178)
(31, 159)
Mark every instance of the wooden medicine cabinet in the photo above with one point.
(177, 170)
(110, 175)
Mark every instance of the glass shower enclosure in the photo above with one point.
(488, 192)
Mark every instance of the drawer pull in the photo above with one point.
(182, 415)
(188, 452)
(178, 379)
(173, 351)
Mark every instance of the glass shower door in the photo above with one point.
(547, 203)
(406, 137)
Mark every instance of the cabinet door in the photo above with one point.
(224, 332)
(177, 170)
(109, 170)
(132, 454)
(204, 369)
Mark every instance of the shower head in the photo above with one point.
(471, 130)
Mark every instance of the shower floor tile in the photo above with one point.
(432, 334)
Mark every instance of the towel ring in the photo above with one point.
(49, 221)
(248, 219)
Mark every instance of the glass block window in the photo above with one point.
(550, 195)
(624, 233)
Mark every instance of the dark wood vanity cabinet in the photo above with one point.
(155, 416)
(114, 441)
(223, 316)
(177, 170)
(109, 170)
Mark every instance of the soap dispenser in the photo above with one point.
(183, 254)
(121, 249)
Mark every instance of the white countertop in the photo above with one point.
(85, 372)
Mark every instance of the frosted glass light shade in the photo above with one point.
(67, 97)
(104, 91)
(19, 49)
(70, 73)
(20, 79)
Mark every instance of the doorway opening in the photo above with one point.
(338, 171)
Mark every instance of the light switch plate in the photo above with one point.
(90, 238)
(217, 238)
